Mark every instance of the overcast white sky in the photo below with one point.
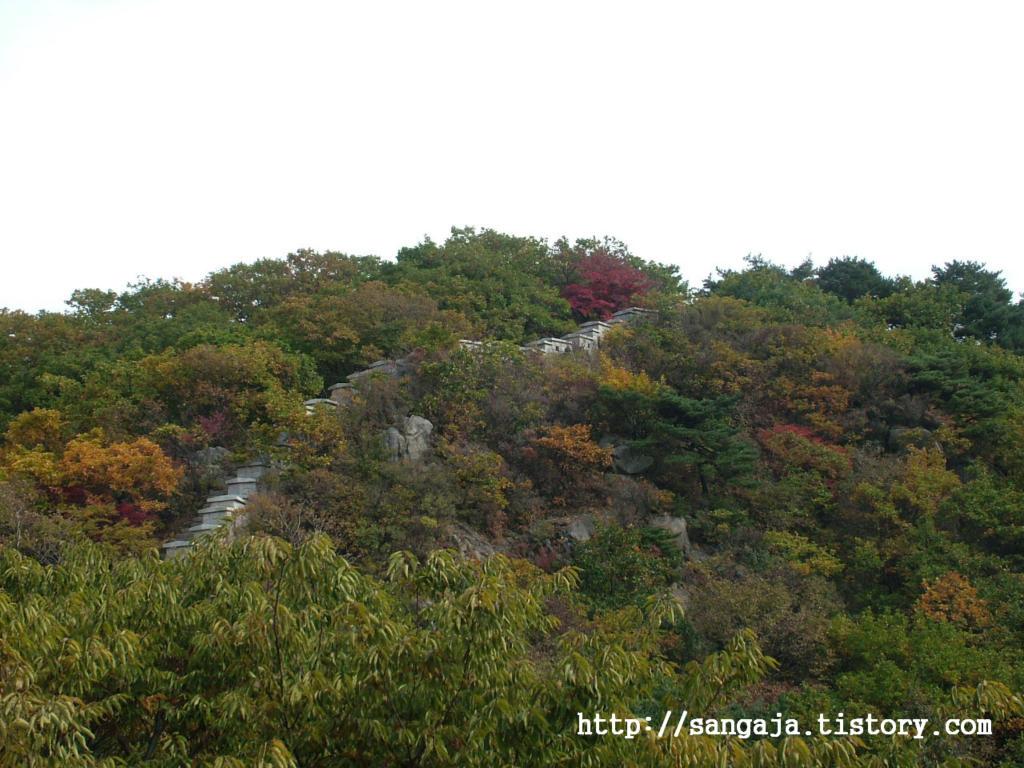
(170, 138)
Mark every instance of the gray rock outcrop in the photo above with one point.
(580, 530)
(411, 440)
(624, 458)
(676, 525)
(471, 544)
(209, 457)
(682, 594)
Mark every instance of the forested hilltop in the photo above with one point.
(786, 491)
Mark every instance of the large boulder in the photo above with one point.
(580, 530)
(210, 464)
(682, 594)
(209, 457)
(676, 525)
(410, 441)
(471, 545)
(624, 458)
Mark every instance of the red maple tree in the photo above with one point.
(607, 283)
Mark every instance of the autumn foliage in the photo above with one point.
(573, 451)
(606, 284)
(824, 468)
(952, 598)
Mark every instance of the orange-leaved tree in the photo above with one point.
(87, 484)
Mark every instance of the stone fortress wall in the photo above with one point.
(409, 440)
(586, 338)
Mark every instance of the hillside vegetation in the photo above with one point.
(786, 491)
